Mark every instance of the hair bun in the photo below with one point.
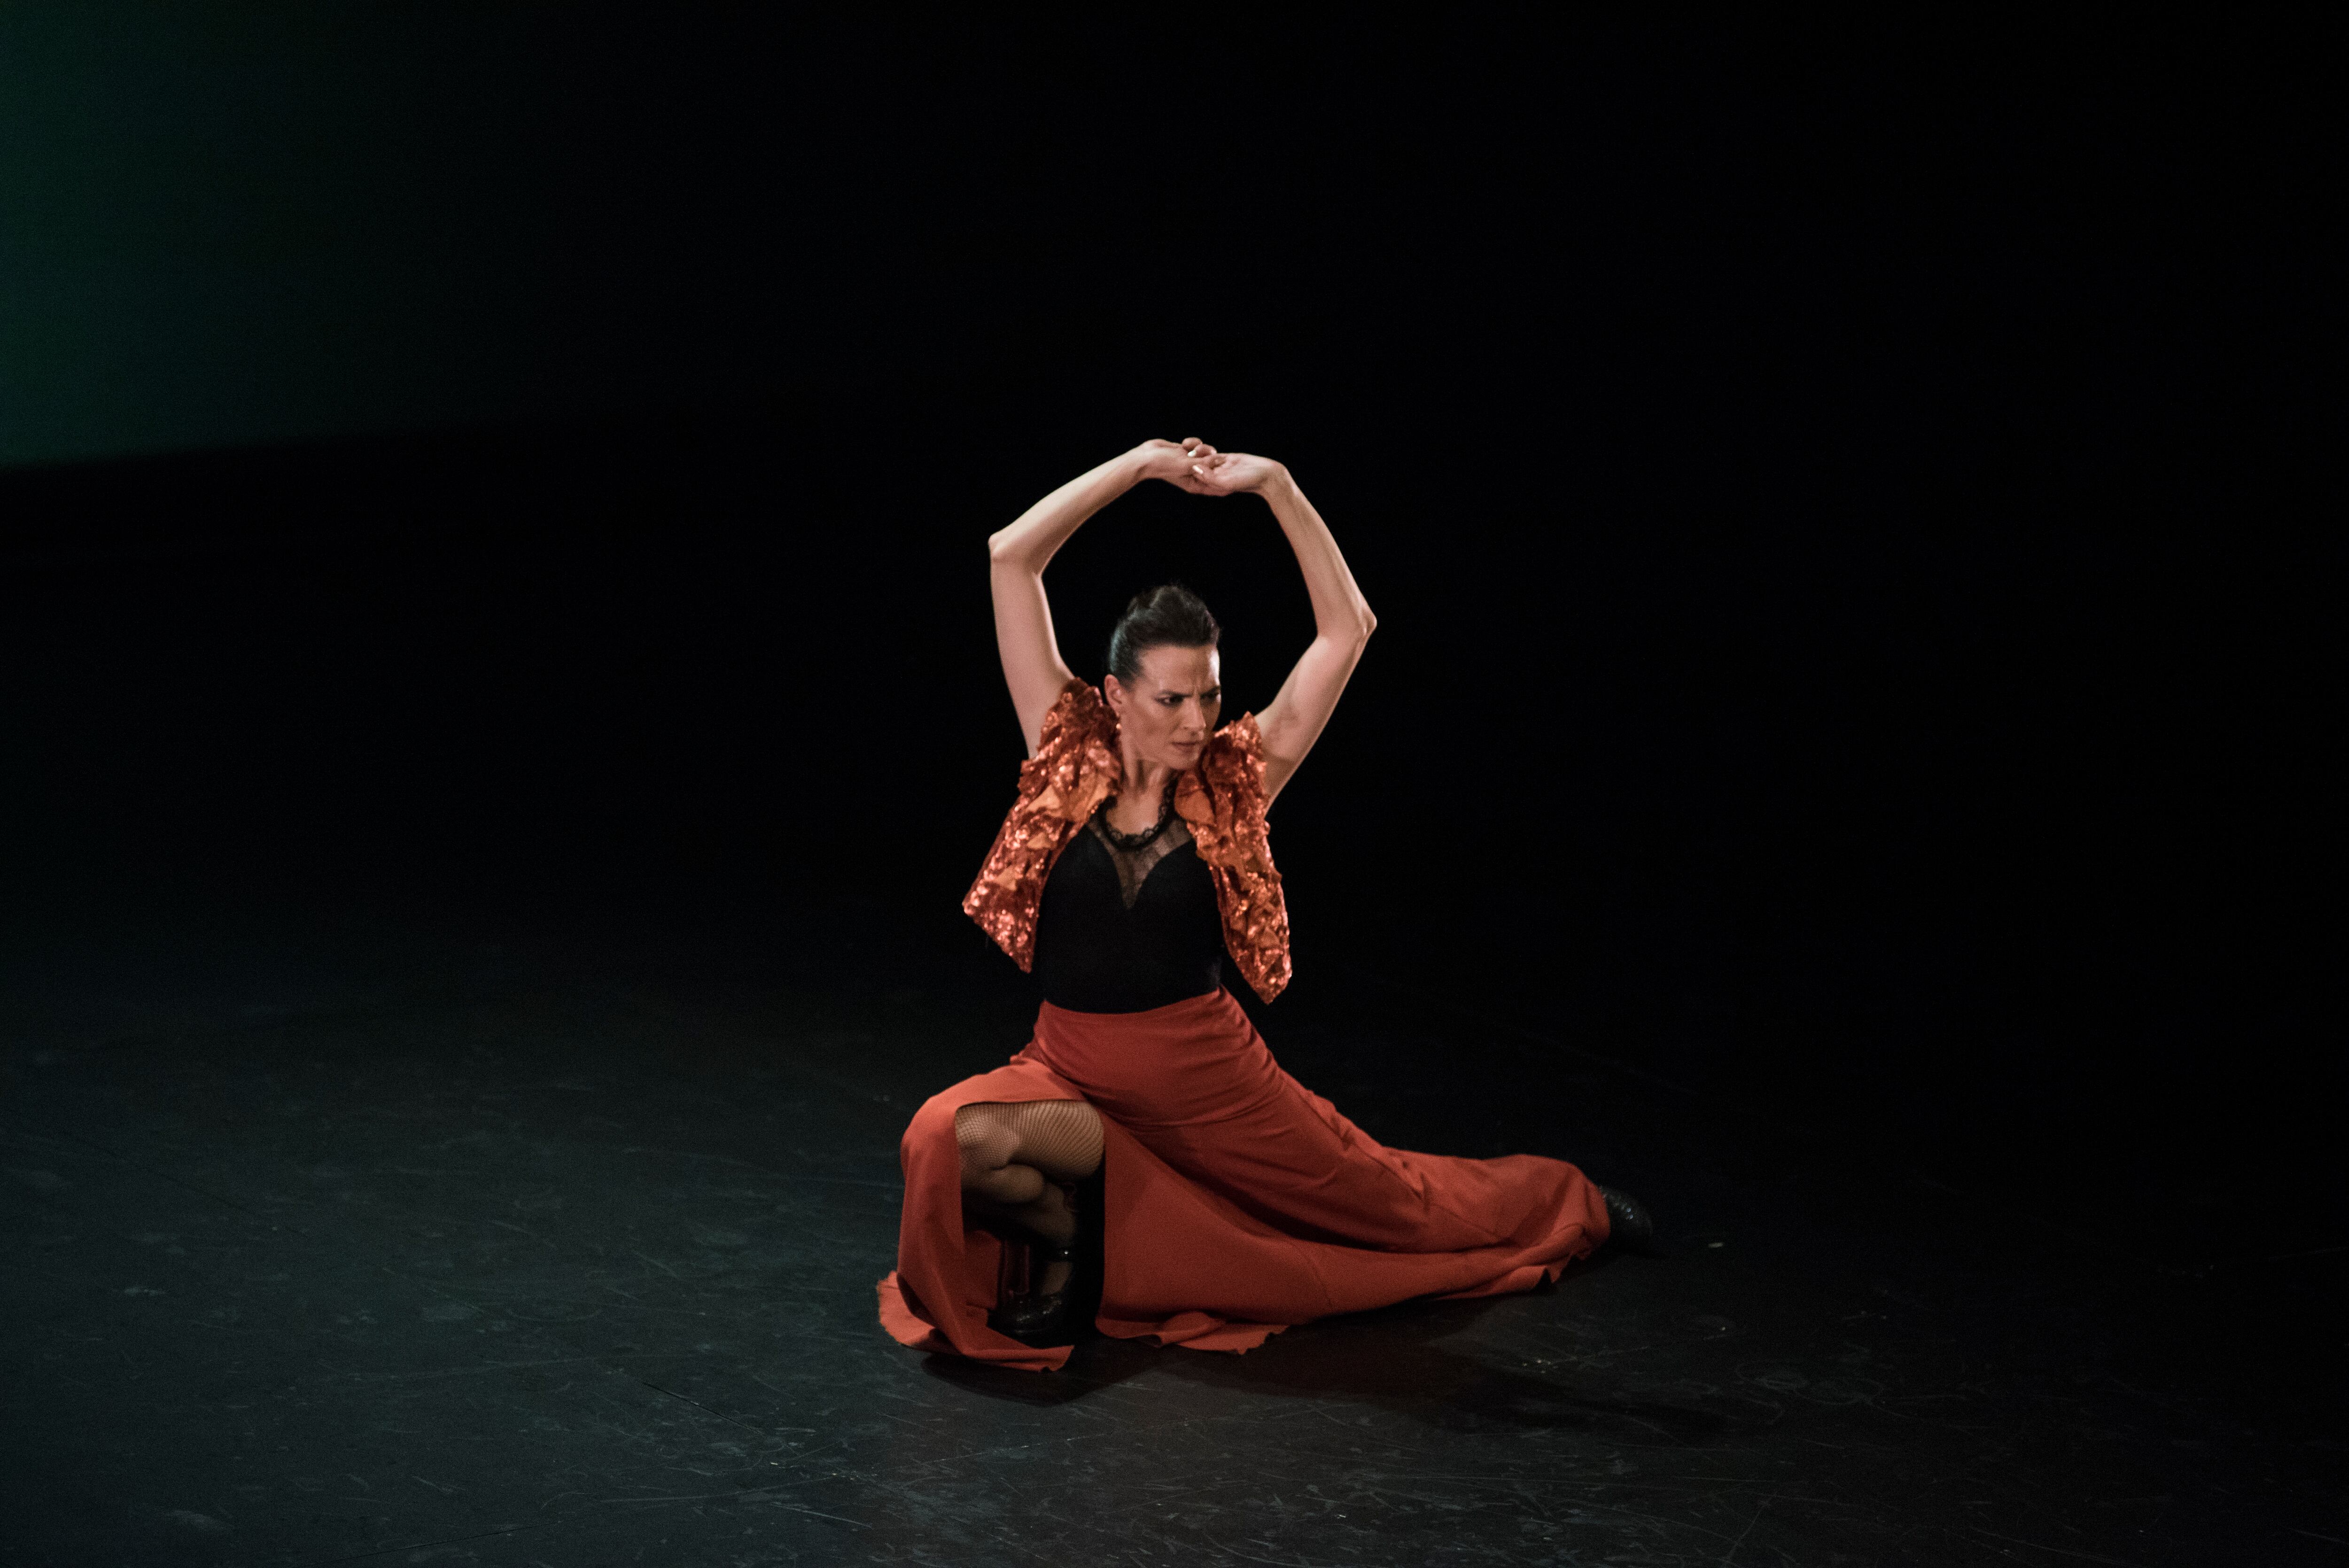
(1167, 616)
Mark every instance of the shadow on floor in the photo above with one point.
(1388, 1358)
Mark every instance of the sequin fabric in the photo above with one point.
(1075, 768)
(1222, 801)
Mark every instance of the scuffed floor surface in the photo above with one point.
(343, 1237)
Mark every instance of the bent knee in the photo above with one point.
(986, 1138)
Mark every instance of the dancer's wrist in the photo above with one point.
(1277, 484)
(1155, 459)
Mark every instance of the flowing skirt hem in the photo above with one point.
(1203, 1212)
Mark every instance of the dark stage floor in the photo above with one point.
(340, 1235)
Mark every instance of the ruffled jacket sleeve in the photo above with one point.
(1222, 800)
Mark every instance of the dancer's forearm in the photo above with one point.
(1340, 614)
(1031, 541)
(1342, 623)
(1017, 556)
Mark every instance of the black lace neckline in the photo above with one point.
(1130, 842)
(1134, 866)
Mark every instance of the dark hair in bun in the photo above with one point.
(1167, 616)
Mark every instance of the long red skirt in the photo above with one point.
(1237, 1201)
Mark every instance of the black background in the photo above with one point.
(1839, 633)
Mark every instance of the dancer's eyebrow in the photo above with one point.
(1215, 690)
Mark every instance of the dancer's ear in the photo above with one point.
(1114, 689)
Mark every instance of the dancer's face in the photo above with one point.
(1167, 714)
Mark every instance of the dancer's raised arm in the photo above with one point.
(1017, 556)
(1342, 622)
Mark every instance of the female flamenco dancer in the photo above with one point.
(1144, 1159)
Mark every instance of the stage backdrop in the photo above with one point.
(1811, 491)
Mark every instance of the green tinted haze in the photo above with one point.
(261, 223)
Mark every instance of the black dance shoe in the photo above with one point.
(1630, 1228)
(1039, 1318)
(1042, 1319)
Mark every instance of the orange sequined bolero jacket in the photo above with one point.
(1075, 768)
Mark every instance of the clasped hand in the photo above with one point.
(1198, 467)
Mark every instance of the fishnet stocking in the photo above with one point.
(1018, 1157)
(1060, 1139)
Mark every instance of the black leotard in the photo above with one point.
(1095, 953)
